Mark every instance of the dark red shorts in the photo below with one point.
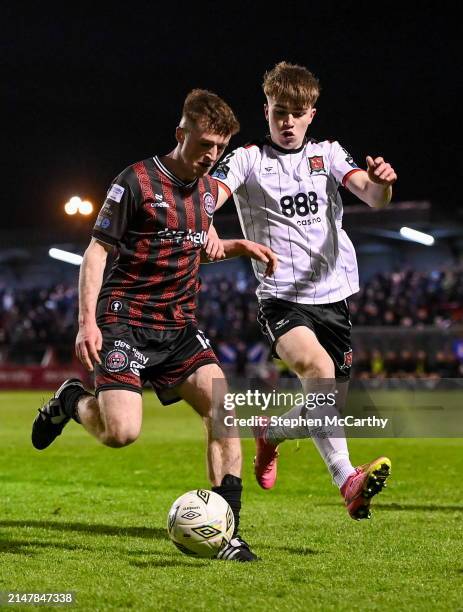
(134, 355)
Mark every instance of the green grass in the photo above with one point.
(80, 517)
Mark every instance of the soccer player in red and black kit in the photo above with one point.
(139, 325)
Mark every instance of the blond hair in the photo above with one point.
(291, 83)
(209, 112)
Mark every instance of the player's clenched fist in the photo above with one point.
(380, 171)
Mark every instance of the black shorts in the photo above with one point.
(134, 355)
(329, 322)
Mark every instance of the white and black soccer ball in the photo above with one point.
(200, 523)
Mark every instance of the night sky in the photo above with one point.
(90, 91)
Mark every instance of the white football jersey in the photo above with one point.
(289, 201)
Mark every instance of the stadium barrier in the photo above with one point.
(37, 377)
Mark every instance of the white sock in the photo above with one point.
(276, 434)
(333, 450)
(336, 456)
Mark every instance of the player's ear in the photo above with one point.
(312, 114)
(179, 134)
(266, 111)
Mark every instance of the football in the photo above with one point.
(200, 523)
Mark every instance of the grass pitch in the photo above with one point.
(80, 517)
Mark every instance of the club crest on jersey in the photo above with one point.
(316, 164)
(209, 203)
(116, 360)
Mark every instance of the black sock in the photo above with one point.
(69, 398)
(230, 489)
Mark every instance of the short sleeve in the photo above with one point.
(116, 212)
(233, 170)
(342, 164)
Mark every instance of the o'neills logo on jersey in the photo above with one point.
(209, 203)
(316, 164)
(180, 236)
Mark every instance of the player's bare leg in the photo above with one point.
(303, 353)
(114, 418)
(223, 454)
(202, 390)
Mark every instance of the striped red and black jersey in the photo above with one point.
(159, 224)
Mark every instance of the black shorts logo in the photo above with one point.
(116, 306)
(116, 360)
(347, 360)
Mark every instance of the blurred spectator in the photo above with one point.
(422, 364)
(445, 365)
(407, 363)
(361, 364)
(391, 363)
(409, 298)
(377, 363)
(41, 323)
(32, 320)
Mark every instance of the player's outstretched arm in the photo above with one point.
(89, 338)
(374, 187)
(254, 250)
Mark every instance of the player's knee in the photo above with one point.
(117, 437)
(307, 367)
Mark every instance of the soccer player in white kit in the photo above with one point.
(286, 191)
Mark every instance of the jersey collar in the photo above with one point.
(174, 179)
(270, 142)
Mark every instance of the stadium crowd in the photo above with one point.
(410, 299)
(33, 320)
